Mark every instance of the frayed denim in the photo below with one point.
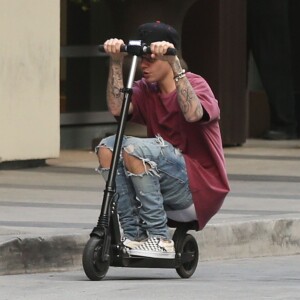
(144, 198)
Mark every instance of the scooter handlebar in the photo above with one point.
(139, 50)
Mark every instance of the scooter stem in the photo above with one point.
(110, 188)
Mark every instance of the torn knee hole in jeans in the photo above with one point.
(101, 169)
(103, 145)
(104, 171)
(130, 149)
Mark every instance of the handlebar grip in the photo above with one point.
(170, 51)
(123, 48)
(101, 48)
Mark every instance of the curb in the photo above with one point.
(250, 239)
(36, 255)
(217, 241)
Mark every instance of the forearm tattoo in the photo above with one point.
(115, 83)
(187, 98)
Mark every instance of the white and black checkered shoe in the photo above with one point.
(155, 247)
(130, 244)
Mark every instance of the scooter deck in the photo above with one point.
(150, 262)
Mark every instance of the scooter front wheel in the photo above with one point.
(94, 268)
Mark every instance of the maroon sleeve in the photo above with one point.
(206, 97)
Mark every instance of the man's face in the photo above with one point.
(154, 70)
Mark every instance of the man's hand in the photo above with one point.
(112, 47)
(159, 49)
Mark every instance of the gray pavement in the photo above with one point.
(47, 213)
(275, 278)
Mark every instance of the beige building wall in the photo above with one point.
(29, 79)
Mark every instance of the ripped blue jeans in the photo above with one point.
(144, 198)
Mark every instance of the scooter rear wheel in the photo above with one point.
(188, 246)
(94, 268)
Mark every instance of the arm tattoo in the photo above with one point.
(184, 100)
(188, 100)
(115, 83)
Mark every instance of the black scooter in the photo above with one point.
(104, 248)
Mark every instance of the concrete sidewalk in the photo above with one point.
(47, 213)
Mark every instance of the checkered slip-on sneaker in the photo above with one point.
(130, 244)
(155, 247)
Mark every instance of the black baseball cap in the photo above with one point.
(157, 31)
